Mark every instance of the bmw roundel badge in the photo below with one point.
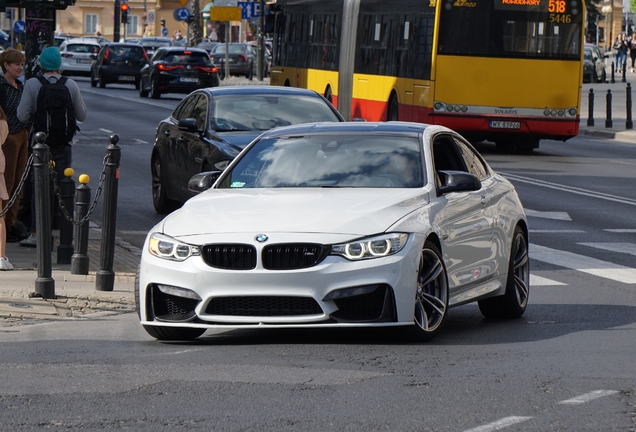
(261, 238)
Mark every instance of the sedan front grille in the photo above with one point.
(292, 256)
(263, 306)
(230, 256)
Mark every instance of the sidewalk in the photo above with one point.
(618, 89)
(76, 295)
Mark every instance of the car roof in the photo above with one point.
(258, 89)
(400, 128)
(83, 40)
(119, 44)
(182, 49)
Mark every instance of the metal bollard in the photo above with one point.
(79, 260)
(628, 102)
(105, 277)
(608, 109)
(44, 283)
(67, 192)
(624, 70)
(590, 111)
(612, 80)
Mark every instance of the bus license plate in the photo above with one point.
(505, 125)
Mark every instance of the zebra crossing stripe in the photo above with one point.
(626, 248)
(583, 264)
(541, 281)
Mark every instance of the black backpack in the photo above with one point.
(55, 113)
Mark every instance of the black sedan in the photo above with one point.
(211, 126)
(177, 70)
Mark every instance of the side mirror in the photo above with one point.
(188, 125)
(203, 181)
(93, 56)
(457, 181)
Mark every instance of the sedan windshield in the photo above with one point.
(358, 160)
(264, 112)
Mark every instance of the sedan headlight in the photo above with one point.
(372, 247)
(168, 248)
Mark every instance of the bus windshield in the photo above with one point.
(538, 29)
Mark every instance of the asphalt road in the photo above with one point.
(568, 364)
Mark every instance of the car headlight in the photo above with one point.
(168, 248)
(372, 247)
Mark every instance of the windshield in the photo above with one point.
(241, 112)
(330, 161)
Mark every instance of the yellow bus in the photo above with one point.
(507, 71)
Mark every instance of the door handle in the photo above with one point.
(485, 199)
(166, 133)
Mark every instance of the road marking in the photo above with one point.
(499, 424)
(621, 231)
(570, 189)
(588, 397)
(106, 130)
(583, 264)
(626, 248)
(541, 281)
(549, 215)
(138, 141)
(138, 100)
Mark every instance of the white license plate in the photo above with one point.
(189, 80)
(126, 78)
(89, 61)
(505, 125)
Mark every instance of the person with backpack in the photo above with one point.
(52, 104)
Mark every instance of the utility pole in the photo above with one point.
(261, 41)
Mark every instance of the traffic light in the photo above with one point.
(124, 13)
(163, 22)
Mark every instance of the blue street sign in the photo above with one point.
(164, 32)
(182, 14)
(19, 26)
(249, 9)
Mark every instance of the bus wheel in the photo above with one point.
(287, 83)
(392, 114)
(328, 94)
(517, 145)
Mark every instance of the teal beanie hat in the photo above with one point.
(50, 59)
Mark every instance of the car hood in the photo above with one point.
(348, 211)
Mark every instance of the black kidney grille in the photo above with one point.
(264, 306)
(291, 256)
(230, 256)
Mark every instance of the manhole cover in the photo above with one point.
(21, 305)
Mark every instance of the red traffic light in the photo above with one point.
(124, 7)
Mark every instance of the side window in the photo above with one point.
(184, 109)
(446, 157)
(472, 160)
(199, 113)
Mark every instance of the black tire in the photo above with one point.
(392, 110)
(102, 83)
(604, 76)
(142, 92)
(431, 296)
(160, 200)
(137, 84)
(515, 300)
(154, 89)
(93, 81)
(173, 333)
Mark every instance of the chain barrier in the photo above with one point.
(18, 189)
(91, 208)
(58, 192)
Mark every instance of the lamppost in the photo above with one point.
(607, 9)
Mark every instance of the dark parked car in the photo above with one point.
(593, 65)
(152, 44)
(118, 63)
(207, 45)
(211, 126)
(177, 70)
(242, 59)
(5, 39)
